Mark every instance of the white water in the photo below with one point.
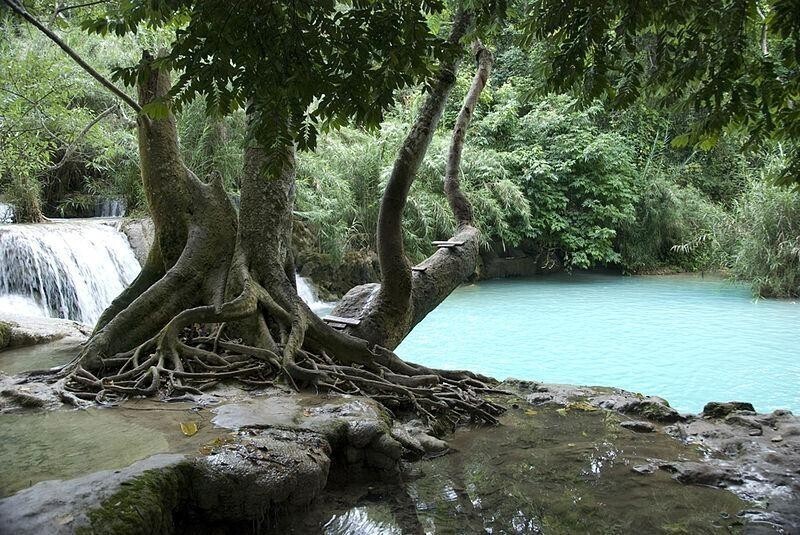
(308, 293)
(65, 269)
(73, 269)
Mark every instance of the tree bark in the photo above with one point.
(388, 311)
(216, 300)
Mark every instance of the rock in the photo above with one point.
(362, 432)
(22, 331)
(638, 426)
(247, 479)
(716, 409)
(777, 438)
(756, 432)
(64, 507)
(400, 434)
(140, 234)
(718, 474)
(651, 408)
(5, 334)
(742, 420)
(648, 468)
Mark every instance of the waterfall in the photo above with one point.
(65, 269)
(308, 293)
(73, 269)
(109, 208)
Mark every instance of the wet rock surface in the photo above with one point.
(21, 331)
(63, 507)
(638, 426)
(756, 456)
(140, 234)
(271, 454)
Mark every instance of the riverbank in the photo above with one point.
(236, 458)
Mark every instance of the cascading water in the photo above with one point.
(109, 208)
(65, 269)
(307, 292)
(73, 269)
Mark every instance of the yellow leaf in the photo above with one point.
(581, 406)
(189, 428)
(531, 412)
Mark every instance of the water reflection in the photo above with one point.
(540, 473)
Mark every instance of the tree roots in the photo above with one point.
(175, 364)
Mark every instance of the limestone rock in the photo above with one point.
(715, 409)
(638, 426)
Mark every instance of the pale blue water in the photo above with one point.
(687, 339)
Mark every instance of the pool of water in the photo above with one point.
(542, 471)
(44, 445)
(688, 339)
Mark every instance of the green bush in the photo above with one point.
(768, 236)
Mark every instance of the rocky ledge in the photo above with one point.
(281, 451)
(754, 455)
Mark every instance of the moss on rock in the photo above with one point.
(145, 504)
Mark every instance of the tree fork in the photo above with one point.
(387, 312)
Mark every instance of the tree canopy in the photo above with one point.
(301, 66)
(735, 62)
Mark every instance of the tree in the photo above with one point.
(325, 64)
(735, 62)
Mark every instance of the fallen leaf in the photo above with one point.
(189, 428)
(531, 412)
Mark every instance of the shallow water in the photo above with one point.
(541, 472)
(688, 339)
(44, 445)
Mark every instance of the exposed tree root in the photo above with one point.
(197, 350)
(197, 359)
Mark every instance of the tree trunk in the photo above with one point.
(388, 311)
(216, 300)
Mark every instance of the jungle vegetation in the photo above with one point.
(613, 134)
(582, 186)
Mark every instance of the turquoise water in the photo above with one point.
(687, 339)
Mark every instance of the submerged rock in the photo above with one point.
(638, 426)
(716, 409)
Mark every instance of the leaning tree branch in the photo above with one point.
(72, 147)
(22, 12)
(395, 271)
(462, 209)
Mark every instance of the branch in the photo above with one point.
(74, 145)
(20, 10)
(395, 270)
(62, 9)
(462, 209)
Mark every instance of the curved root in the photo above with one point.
(191, 354)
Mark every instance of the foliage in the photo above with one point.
(577, 178)
(50, 161)
(676, 226)
(298, 66)
(735, 62)
(212, 144)
(768, 238)
(339, 188)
